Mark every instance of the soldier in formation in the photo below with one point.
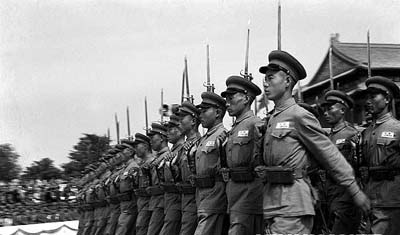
(257, 172)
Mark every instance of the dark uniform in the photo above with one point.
(172, 196)
(210, 194)
(100, 204)
(143, 198)
(381, 152)
(126, 196)
(112, 186)
(292, 140)
(187, 169)
(244, 190)
(156, 204)
(343, 214)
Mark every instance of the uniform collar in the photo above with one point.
(243, 117)
(384, 118)
(213, 129)
(339, 126)
(285, 105)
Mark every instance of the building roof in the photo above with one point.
(353, 56)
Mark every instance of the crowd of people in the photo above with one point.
(35, 201)
(255, 178)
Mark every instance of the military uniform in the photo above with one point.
(292, 140)
(172, 196)
(143, 198)
(210, 194)
(127, 197)
(112, 186)
(381, 152)
(156, 204)
(243, 190)
(187, 168)
(343, 214)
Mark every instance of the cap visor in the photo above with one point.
(228, 92)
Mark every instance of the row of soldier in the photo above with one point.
(254, 178)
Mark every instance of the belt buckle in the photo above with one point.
(192, 180)
(225, 174)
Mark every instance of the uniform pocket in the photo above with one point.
(280, 133)
(242, 140)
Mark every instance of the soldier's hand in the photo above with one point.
(362, 201)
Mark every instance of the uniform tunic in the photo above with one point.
(381, 147)
(208, 164)
(293, 137)
(241, 151)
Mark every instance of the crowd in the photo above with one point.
(36, 201)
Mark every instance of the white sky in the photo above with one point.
(67, 66)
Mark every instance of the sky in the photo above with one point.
(67, 66)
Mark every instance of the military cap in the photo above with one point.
(335, 96)
(237, 84)
(188, 108)
(174, 121)
(113, 151)
(140, 138)
(127, 143)
(382, 84)
(283, 61)
(120, 147)
(210, 99)
(310, 109)
(158, 128)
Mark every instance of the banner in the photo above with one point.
(59, 228)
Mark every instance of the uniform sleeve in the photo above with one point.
(324, 151)
(259, 131)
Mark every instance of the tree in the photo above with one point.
(43, 169)
(9, 168)
(88, 150)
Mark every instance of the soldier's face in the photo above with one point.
(333, 113)
(174, 134)
(128, 152)
(186, 124)
(275, 84)
(156, 142)
(141, 150)
(376, 103)
(208, 117)
(236, 103)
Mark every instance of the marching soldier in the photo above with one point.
(100, 205)
(127, 197)
(381, 152)
(343, 214)
(158, 136)
(243, 190)
(210, 194)
(292, 140)
(189, 125)
(112, 187)
(172, 196)
(143, 151)
(89, 196)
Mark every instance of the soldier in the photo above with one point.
(244, 191)
(293, 138)
(89, 198)
(143, 151)
(172, 196)
(158, 136)
(381, 152)
(210, 194)
(189, 125)
(127, 197)
(112, 187)
(343, 214)
(101, 210)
